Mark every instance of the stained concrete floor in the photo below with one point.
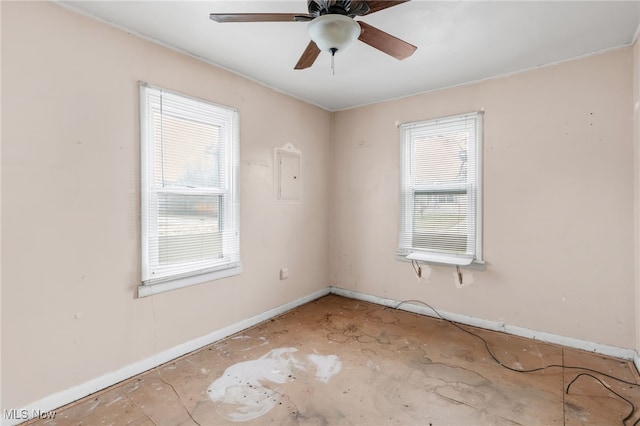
(337, 361)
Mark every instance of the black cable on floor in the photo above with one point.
(633, 407)
(534, 370)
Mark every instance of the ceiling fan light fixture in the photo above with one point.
(333, 32)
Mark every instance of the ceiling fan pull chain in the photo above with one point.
(333, 55)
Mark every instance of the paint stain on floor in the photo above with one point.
(249, 389)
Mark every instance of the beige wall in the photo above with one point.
(636, 189)
(558, 201)
(70, 215)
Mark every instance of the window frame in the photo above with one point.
(227, 120)
(472, 185)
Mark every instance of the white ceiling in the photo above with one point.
(458, 42)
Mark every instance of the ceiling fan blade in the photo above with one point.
(375, 6)
(385, 42)
(259, 17)
(308, 56)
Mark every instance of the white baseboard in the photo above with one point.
(51, 402)
(613, 351)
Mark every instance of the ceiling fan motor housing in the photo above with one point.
(340, 7)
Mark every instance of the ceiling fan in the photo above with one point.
(332, 27)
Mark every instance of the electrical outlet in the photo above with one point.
(284, 273)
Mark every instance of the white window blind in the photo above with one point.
(440, 212)
(189, 196)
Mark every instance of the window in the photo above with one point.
(440, 210)
(189, 195)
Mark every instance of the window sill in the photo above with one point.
(442, 260)
(145, 290)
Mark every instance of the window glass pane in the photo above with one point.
(440, 221)
(441, 158)
(186, 153)
(188, 228)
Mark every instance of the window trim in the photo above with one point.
(407, 202)
(145, 290)
(230, 191)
